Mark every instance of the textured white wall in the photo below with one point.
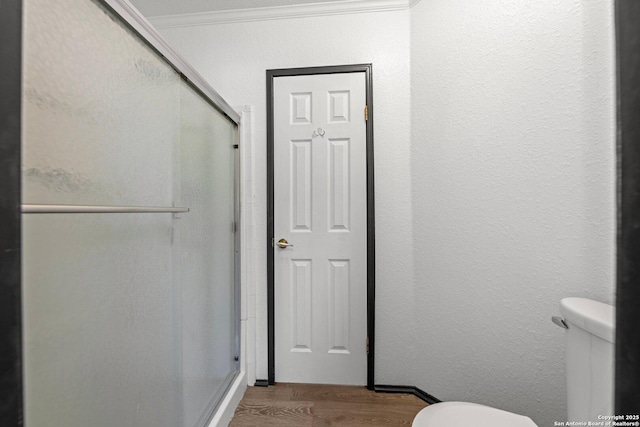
(513, 165)
(234, 58)
(495, 185)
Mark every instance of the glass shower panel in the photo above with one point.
(207, 261)
(107, 105)
(101, 112)
(128, 318)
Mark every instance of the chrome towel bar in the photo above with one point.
(58, 209)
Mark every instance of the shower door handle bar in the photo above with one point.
(58, 209)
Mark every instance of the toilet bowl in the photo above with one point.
(464, 414)
(590, 332)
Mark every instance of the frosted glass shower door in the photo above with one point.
(129, 318)
(207, 255)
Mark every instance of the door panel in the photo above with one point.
(320, 209)
(300, 305)
(300, 185)
(339, 197)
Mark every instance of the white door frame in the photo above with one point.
(271, 74)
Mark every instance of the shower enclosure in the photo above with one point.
(129, 192)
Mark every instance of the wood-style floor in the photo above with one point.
(300, 405)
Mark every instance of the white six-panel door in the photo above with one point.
(320, 204)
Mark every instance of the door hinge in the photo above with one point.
(366, 113)
(367, 345)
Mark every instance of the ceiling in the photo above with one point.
(178, 7)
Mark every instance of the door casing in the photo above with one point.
(271, 74)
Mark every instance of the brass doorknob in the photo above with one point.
(282, 243)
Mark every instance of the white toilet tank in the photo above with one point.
(590, 358)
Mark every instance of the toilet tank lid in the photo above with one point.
(593, 316)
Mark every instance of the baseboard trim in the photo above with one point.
(406, 389)
(261, 383)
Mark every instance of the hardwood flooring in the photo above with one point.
(300, 405)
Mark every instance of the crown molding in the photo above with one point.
(279, 12)
(130, 15)
(413, 3)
